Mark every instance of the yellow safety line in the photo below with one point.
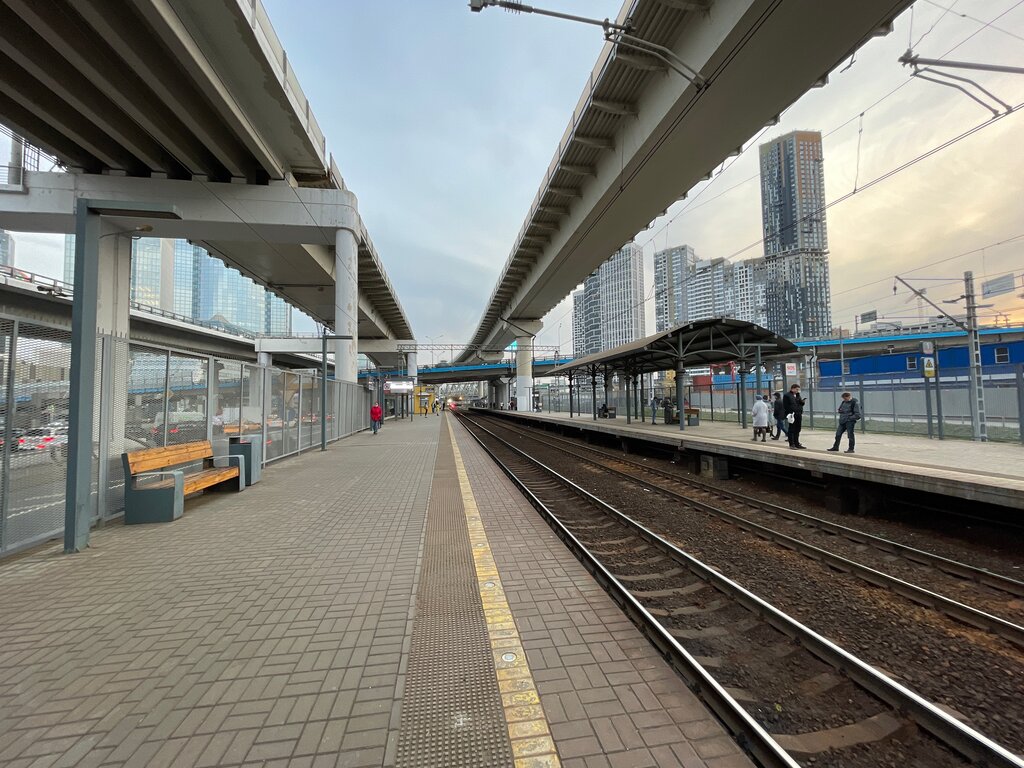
(532, 745)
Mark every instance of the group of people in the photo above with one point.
(788, 412)
(377, 413)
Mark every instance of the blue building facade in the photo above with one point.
(1002, 350)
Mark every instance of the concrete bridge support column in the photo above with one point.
(524, 373)
(501, 394)
(346, 304)
(112, 319)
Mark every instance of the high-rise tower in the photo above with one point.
(797, 295)
(609, 310)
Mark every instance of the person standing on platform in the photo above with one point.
(779, 412)
(794, 407)
(376, 416)
(760, 414)
(849, 415)
(655, 402)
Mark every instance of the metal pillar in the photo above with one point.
(629, 397)
(593, 392)
(680, 400)
(346, 305)
(743, 395)
(978, 420)
(570, 395)
(938, 398)
(84, 337)
(928, 407)
(1020, 402)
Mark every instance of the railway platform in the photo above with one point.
(393, 601)
(957, 470)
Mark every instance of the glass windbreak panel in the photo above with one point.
(144, 414)
(187, 399)
(251, 404)
(310, 421)
(225, 404)
(275, 418)
(332, 410)
(38, 418)
(291, 412)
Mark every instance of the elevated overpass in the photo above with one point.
(638, 117)
(190, 103)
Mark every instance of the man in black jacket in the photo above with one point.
(849, 415)
(779, 414)
(792, 403)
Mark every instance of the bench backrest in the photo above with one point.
(169, 456)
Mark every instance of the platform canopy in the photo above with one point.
(716, 340)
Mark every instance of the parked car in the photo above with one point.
(182, 427)
(17, 438)
(44, 439)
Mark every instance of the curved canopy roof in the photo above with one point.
(717, 340)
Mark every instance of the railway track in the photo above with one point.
(993, 592)
(790, 696)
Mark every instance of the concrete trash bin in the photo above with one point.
(251, 448)
(693, 420)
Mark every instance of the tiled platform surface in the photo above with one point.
(610, 699)
(989, 472)
(268, 627)
(273, 628)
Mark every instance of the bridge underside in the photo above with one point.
(637, 119)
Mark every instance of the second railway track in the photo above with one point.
(749, 645)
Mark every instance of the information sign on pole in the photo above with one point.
(998, 286)
(927, 347)
(869, 317)
(791, 369)
(928, 367)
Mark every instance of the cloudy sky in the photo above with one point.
(443, 121)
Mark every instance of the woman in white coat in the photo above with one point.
(760, 412)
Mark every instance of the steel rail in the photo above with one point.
(1014, 633)
(959, 736)
(920, 556)
(747, 731)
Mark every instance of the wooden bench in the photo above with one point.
(154, 492)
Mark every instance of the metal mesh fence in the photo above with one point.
(38, 363)
(146, 397)
(940, 409)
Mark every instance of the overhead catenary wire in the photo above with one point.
(859, 116)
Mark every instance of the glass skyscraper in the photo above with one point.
(179, 277)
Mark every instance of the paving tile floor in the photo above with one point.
(273, 628)
(610, 698)
(266, 628)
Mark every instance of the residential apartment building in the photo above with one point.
(673, 267)
(609, 310)
(798, 297)
(578, 331)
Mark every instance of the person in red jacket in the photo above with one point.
(376, 416)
